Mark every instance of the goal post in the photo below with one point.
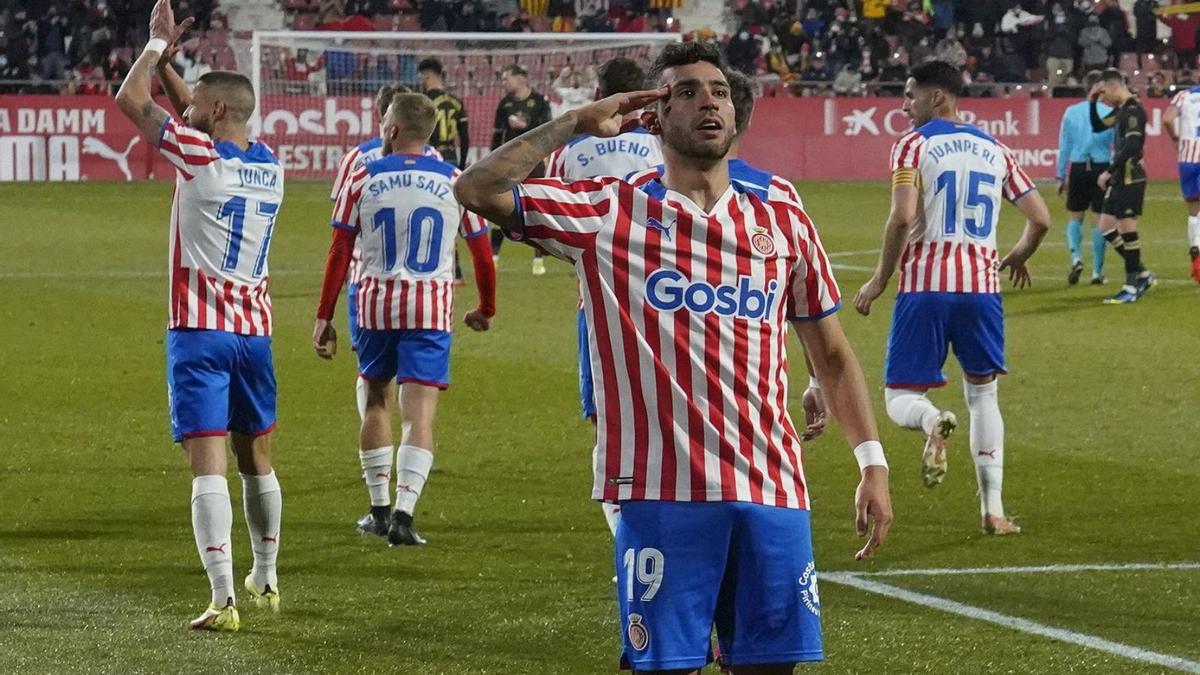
(316, 90)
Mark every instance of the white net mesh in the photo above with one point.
(316, 90)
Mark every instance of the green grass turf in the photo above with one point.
(100, 573)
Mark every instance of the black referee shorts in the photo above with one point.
(1082, 191)
(1124, 201)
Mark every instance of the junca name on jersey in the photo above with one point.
(668, 291)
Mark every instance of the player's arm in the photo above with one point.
(1037, 224)
(1170, 119)
(464, 133)
(177, 90)
(813, 400)
(474, 229)
(498, 126)
(133, 98)
(1064, 153)
(900, 220)
(487, 186)
(845, 390)
(337, 262)
(1099, 123)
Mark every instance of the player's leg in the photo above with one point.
(497, 237)
(913, 365)
(360, 387)
(977, 335)
(768, 612)
(423, 371)
(1189, 186)
(1099, 243)
(539, 264)
(198, 365)
(252, 418)
(376, 351)
(1136, 274)
(1075, 245)
(670, 559)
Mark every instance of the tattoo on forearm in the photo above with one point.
(511, 163)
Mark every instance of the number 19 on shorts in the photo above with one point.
(646, 566)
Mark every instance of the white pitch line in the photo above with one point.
(1036, 277)
(1029, 569)
(1015, 623)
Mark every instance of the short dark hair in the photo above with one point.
(234, 90)
(620, 75)
(430, 65)
(741, 91)
(1091, 78)
(383, 97)
(685, 54)
(939, 74)
(515, 69)
(1112, 75)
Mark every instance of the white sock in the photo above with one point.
(612, 513)
(412, 470)
(263, 503)
(910, 409)
(1193, 230)
(987, 444)
(360, 396)
(377, 473)
(212, 523)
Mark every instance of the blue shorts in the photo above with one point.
(1189, 180)
(587, 393)
(925, 324)
(352, 313)
(421, 356)
(219, 382)
(683, 567)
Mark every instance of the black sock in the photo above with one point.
(497, 240)
(1133, 256)
(1113, 237)
(380, 512)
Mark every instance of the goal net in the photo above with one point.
(316, 90)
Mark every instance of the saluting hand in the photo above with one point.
(603, 118)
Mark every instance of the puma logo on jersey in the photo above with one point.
(668, 290)
(656, 224)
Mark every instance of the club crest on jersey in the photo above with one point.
(668, 290)
(808, 589)
(656, 224)
(763, 243)
(639, 635)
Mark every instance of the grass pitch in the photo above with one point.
(100, 573)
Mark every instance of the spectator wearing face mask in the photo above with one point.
(1095, 41)
(1060, 48)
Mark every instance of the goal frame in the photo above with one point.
(258, 36)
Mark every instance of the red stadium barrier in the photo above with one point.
(74, 138)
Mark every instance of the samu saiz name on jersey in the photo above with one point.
(439, 189)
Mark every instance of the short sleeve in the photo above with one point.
(812, 292)
(784, 190)
(907, 151)
(349, 161)
(433, 152)
(1177, 99)
(346, 206)
(1016, 181)
(554, 164)
(562, 218)
(642, 177)
(186, 148)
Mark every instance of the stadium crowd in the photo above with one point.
(845, 47)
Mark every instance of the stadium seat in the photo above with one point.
(383, 23)
(295, 5)
(399, 5)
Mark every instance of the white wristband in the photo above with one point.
(812, 382)
(157, 45)
(870, 453)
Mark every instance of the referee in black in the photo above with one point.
(1125, 180)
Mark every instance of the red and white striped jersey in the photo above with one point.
(961, 174)
(222, 220)
(689, 318)
(368, 151)
(767, 186)
(1187, 125)
(399, 207)
(590, 156)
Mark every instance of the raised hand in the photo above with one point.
(603, 118)
(162, 24)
